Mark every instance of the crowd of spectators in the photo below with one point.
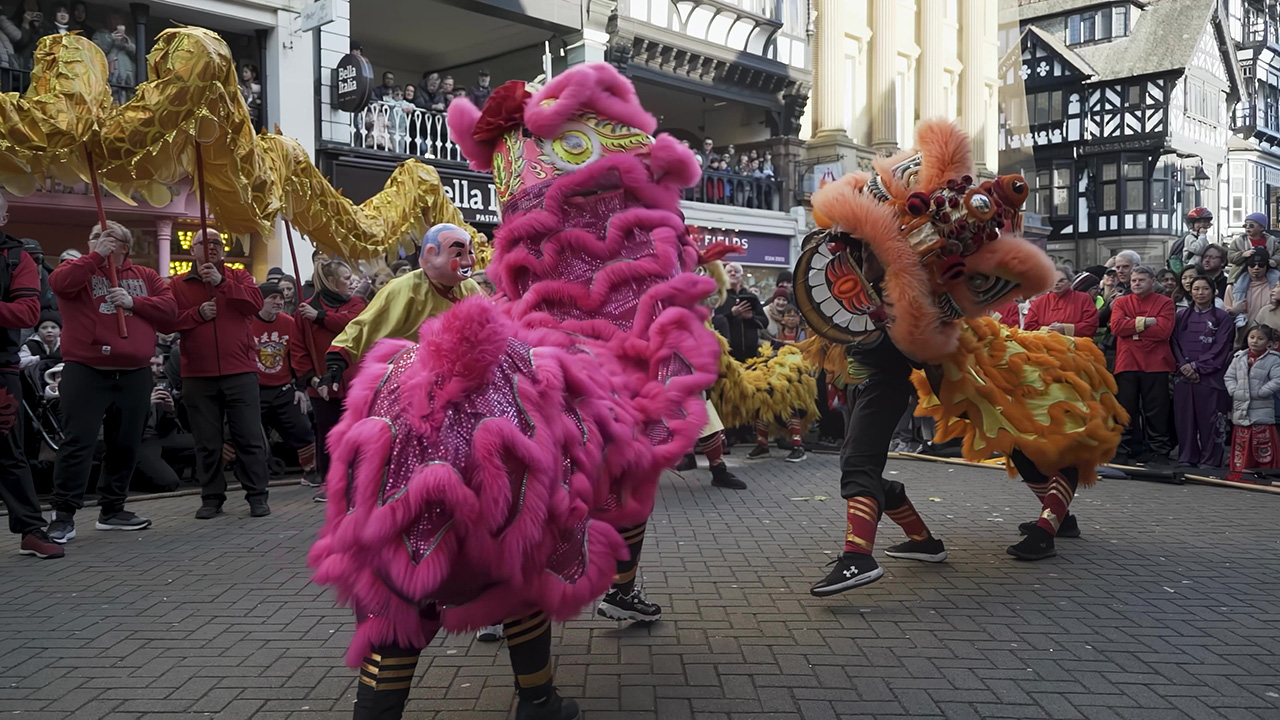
(213, 374)
(395, 118)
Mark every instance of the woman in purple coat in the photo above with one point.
(1202, 338)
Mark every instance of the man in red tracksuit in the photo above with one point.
(216, 307)
(1142, 322)
(283, 405)
(1063, 310)
(104, 371)
(19, 309)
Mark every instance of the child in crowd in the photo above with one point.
(46, 345)
(1253, 381)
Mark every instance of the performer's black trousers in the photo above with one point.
(1029, 473)
(209, 401)
(1145, 395)
(280, 412)
(16, 489)
(87, 394)
(876, 405)
(328, 413)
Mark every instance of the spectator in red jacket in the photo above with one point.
(1063, 310)
(1142, 322)
(325, 315)
(104, 370)
(284, 407)
(19, 309)
(216, 307)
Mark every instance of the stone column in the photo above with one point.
(884, 66)
(973, 91)
(586, 47)
(164, 238)
(932, 61)
(830, 83)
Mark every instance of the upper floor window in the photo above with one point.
(1098, 24)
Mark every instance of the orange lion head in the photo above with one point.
(916, 246)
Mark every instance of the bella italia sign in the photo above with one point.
(476, 198)
(352, 83)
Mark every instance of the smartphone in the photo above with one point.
(162, 385)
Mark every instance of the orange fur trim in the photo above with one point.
(945, 153)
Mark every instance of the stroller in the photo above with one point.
(42, 434)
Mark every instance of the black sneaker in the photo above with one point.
(62, 528)
(123, 520)
(209, 510)
(258, 507)
(1037, 545)
(633, 607)
(797, 454)
(489, 633)
(722, 476)
(852, 570)
(312, 478)
(688, 462)
(1070, 527)
(552, 707)
(758, 452)
(929, 550)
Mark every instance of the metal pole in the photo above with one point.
(141, 13)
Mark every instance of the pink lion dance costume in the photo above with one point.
(505, 466)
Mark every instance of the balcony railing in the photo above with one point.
(19, 79)
(406, 130)
(747, 191)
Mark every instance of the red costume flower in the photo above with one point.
(503, 111)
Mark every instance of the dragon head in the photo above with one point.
(938, 245)
(582, 183)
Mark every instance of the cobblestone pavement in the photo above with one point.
(1166, 608)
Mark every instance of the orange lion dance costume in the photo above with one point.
(909, 261)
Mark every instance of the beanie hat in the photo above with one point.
(1085, 281)
(49, 316)
(268, 289)
(1259, 218)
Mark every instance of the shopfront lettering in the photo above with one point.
(757, 248)
(478, 200)
(352, 83)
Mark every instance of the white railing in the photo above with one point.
(410, 130)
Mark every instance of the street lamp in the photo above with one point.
(1200, 178)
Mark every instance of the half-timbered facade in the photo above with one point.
(1254, 156)
(1118, 114)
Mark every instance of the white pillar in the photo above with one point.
(884, 66)
(291, 102)
(586, 47)
(932, 60)
(973, 91)
(164, 240)
(829, 81)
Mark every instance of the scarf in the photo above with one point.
(330, 298)
(1253, 357)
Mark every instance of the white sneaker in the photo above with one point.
(492, 633)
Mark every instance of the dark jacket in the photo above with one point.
(744, 333)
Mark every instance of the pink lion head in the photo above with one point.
(583, 184)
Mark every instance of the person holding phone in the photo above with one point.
(743, 316)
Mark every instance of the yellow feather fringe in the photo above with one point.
(771, 386)
(1045, 394)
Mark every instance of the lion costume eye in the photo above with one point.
(575, 146)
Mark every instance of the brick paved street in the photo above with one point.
(1166, 608)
